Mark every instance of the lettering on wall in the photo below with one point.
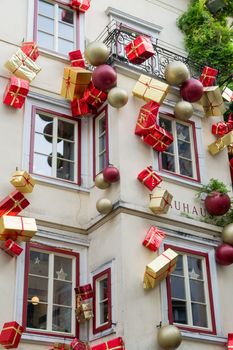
(195, 211)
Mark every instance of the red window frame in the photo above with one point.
(209, 285)
(109, 324)
(105, 109)
(25, 293)
(32, 139)
(198, 178)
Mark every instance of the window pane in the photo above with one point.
(168, 162)
(65, 170)
(104, 312)
(177, 287)
(102, 143)
(186, 167)
(166, 124)
(65, 46)
(43, 144)
(62, 293)
(66, 16)
(38, 286)
(182, 132)
(62, 268)
(103, 289)
(199, 315)
(179, 266)
(45, 40)
(102, 161)
(61, 319)
(66, 149)
(102, 127)
(66, 31)
(37, 316)
(41, 121)
(46, 9)
(184, 149)
(38, 263)
(46, 25)
(66, 130)
(179, 311)
(170, 149)
(195, 267)
(41, 165)
(197, 291)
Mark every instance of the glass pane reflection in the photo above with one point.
(37, 316)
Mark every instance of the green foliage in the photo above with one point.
(220, 220)
(213, 185)
(228, 111)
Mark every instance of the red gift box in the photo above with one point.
(16, 92)
(230, 341)
(95, 97)
(79, 107)
(13, 204)
(222, 128)
(11, 334)
(79, 345)
(84, 292)
(76, 59)
(31, 50)
(147, 118)
(81, 5)
(12, 248)
(149, 178)
(160, 139)
(139, 50)
(208, 76)
(153, 239)
(114, 344)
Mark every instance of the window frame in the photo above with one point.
(55, 114)
(97, 277)
(205, 255)
(44, 247)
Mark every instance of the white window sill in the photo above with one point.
(102, 334)
(179, 180)
(212, 339)
(53, 54)
(45, 338)
(59, 184)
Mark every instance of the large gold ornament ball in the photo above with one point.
(227, 234)
(183, 110)
(104, 205)
(176, 73)
(100, 182)
(169, 337)
(35, 300)
(96, 53)
(117, 97)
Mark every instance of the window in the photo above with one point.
(180, 157)
(55, 27)
(190, 301)
(102, 301)
(100, 141)
(51, 276)
(55, 150)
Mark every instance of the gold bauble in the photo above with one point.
(96, 53)
(117, 97)
(35, 300)
(176, 73)
(169, 337)
(227, 234)
(100, 182)
(104, 205)
(183, 110)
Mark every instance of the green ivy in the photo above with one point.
(212, 186)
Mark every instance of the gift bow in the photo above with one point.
(155, 233)
(15, 94)
(97, 98)
(151, 174)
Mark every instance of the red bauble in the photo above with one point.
(191, 90)
(231, 169)
(111, 174)
(224, 254)
(104, 77)
(217, 203)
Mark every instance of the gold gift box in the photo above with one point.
(23, 182)
(160, 201)
(62, 346)
(221, 143)
(212, 101)
(160, 268)
(150, 89)
(84, 312)
(17, 228)
(75, 81)
(22, 66)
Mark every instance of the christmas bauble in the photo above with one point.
(104, 205)
(96, 53)
(224, 254)
(183, 110)
(117, 97)
(48, 129)
(111, 174)
(59, 160)
(176, 73)
(227, 234)
(62, 132)
(217, 203)
(35, 300)
(100, 182)
(191, 90)
(104, 77)
(169, 337)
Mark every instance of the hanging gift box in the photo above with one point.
(147, 118)
(230, 341)
(84, 312)
(61, 346)
(13, 204)
(212, 101)
(22, 181)
(12, 248)
(84, 292)
(17, 228)
(139, 50)
(221, 128)
(22, 66)
(153, 239)
(81, 5)
(208, 76)
(31, 50)
(76, 59)
(149, 178)
(79, 107)
(160, 268)
(221, 143)
(160, 201)
(11, 334)
(150, 89)
(113, 344)
(227, 94)
(16, 92)
(95, 97)
(75, 81)
(76, 344)
(160, 139)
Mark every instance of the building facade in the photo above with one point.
(76, 245)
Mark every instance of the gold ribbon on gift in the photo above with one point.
(118, 347)
(15, 94)
(16, 204)
(142, 118)
(153, 236)
(97, 98)
(221, 128)
(151, 174)
(10, 246)
(220, 145)
(134, 48)
(17, 331)
(211, 105)
(34, 47)
(148, 86)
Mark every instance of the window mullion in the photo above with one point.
(54, 150)
(56, 17)
(76, 160)
(176, 149)
(187, 291)
(73, 323)
(50, 293)
(206, 291)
